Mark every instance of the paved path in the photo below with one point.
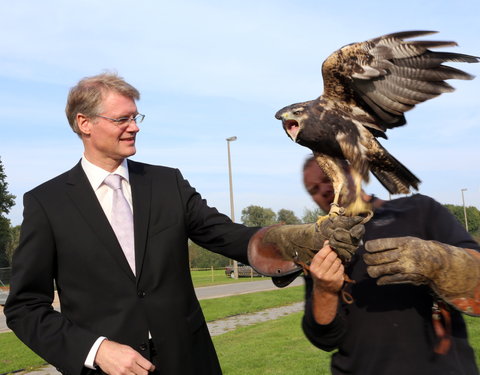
(224, 290)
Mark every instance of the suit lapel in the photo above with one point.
(141, 198)
(84, 198)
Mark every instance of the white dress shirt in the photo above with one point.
(96, 176)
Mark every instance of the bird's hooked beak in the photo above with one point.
(290, 125)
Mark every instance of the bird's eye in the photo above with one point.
(298, 112)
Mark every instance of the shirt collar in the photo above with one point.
(96, 175)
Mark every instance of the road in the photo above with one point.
(207, 292)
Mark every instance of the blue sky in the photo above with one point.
(208, 70)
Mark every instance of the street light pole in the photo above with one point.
(464, 210)
(232, 214)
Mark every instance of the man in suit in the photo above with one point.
(117, 254)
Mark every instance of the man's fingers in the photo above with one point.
(143, 367)
(114, 358)
(146, 364)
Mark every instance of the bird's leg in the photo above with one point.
(359, 206)
(335, 208)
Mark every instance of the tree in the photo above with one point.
(257, 216)
(287, 217)
(5, 240)
(311, 216)
(13, 244)
(473, 216)
(7, 201)
(202, 258)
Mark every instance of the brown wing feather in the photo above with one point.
(387, 76)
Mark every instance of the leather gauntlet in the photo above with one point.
(280, 250)
(451, 272)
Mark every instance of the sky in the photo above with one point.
(209, 70)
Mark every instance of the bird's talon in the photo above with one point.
(336, 210)
(321, 219)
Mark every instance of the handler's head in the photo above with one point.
(317, 183)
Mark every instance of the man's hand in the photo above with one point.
(117, 359)
(452, 272)
(327, 273)
(327, 270)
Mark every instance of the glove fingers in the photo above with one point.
(386, 257)
(357, 231)
(341, 235)
(344, 250)
(387, 269)
(383, 244)
(402, 278)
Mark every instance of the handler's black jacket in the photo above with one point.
(388, 329)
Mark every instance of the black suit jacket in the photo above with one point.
(67, 239)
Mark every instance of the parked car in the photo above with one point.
(243, 271)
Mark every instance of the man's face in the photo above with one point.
(108, 142)
(318, 186)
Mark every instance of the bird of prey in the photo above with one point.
(368, 87)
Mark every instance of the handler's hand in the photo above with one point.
(327, 270)
(117, 359)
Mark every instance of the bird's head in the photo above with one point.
(292, 118)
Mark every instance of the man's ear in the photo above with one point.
(84, 124)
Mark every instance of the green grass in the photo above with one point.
(14, 355)
(218, 308)
(473, 326)
(217, 277)
(277, 347)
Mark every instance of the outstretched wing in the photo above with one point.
(387, 76)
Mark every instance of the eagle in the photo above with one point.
(368, 87)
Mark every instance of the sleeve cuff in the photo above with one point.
(90, 361)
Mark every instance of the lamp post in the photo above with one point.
(464, 210)
(232, 215)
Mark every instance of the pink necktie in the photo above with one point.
(122, 219)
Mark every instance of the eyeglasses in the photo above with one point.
(123, 122)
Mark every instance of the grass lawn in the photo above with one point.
(14, 355)
(217, 277)
(277, 347)
(218, 308)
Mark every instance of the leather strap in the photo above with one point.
(442, 325)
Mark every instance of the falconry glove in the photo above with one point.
(451, 272)
(282, 249)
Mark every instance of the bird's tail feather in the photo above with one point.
(393, 175)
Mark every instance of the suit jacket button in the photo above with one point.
(141, 294)
(143, 347)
